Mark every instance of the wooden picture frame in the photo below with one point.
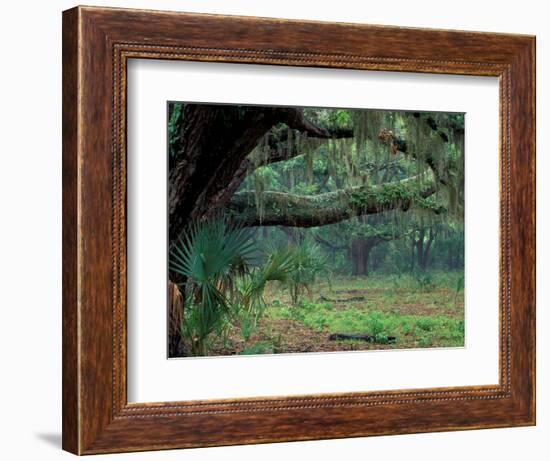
(97, 43)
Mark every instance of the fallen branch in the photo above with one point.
(342, 300)
(366, 337)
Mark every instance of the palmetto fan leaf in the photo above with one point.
(212, 251)
(277, 268)
(209, 257)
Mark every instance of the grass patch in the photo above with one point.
(259, 348)
(382, 306)
(429, 313)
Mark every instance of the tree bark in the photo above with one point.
(428, 246)
(419, 243)
(284, 209)
(212, 150)
(212, 159)
(423, 245)
(360, 251)
(175, 315)
(214, 142)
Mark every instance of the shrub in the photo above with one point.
(222, 281)
(308, 263)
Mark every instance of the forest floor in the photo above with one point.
(419, 312)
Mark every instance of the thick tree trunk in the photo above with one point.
(208, 165)
(212, 158)
(427, 248)
(359, 256)
(212, 154)
(360, 251)
(423, 246)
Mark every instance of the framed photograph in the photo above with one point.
(282, 230)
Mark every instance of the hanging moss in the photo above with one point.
(367, 159)
(259, 188)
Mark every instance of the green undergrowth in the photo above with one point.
(417, 313)
(423, 331)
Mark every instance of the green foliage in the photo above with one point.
(459, 286)
(387, 148)
(424, 281)
(308, 263)
(225, 275)
(209, 258)
(386, 313)
(428, 330)
(224, 280)
(247, 303)
(258, 348)
(376, 324)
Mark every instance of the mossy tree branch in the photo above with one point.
(292, 210)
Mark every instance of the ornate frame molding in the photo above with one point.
(97, 43)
